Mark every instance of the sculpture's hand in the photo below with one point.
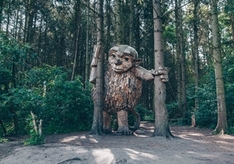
(162, 72)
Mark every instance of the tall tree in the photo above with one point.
(222, 126)
(182, 102)
(119, 25)
(77, 20)
(98, 99)
(195, 53)
(161, 126)
(87, 46)
(1, 9)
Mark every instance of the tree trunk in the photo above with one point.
(161, 127)
(119, 27)
(196, 57)
(28, 21)
(181, 82)
(131, 23)
(8, 18)
(109, 25)
(1, 9)
(221, 104)
(97, 125)
(178, 56)
(87, 47)
(77, 17)
(15, 118)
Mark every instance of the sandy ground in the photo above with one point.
(191, 146)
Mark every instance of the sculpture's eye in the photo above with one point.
(113, 55)
(126, 58)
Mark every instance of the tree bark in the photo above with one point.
(181, 82)
(131, 23)
(87, 47)
(109, 25)
(119, 26)
(196, 57)
(222, 126)
(1, 9)
(178, 56)
(97, 125)
(77, 7)
(161, 127)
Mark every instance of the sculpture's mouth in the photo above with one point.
(118, 70)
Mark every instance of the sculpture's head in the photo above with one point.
(122, 58)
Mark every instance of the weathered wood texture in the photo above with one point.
(122, 90)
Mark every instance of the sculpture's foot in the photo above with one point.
(124, 130)
(122, 117)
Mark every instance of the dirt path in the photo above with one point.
(193, 146)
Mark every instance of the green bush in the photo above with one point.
(68, 106)
(63, 105)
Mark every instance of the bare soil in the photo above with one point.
(190, 146)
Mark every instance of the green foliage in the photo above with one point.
(172, 110)
(230, 130)
(228, 73)
(169, 34)
(3, 140)
(34, 137)
(206, 115)
(63, 105)
(146, 114)
(68, 106)
(22, 101)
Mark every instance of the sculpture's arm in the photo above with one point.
(145, 74)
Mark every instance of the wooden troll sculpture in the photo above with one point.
(123, 85)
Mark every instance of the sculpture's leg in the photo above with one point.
(122, 117)
(106, 122)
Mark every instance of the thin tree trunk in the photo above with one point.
(181, 86)
(26, 26)
(87, 48)
(221, 104)
(232, 22)
(8, 18)
(119, 27)
(196, 57)
(15, 117)
(1, 11)
(182, 61)
(40, 42)
(161, 127)
(178, 56)
(77, 7)
(183, 78)
(108, 24)
(131, 23)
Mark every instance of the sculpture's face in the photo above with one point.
(121, 58)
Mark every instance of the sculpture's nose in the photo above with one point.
(118, 62)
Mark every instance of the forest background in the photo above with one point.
(46, 47)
